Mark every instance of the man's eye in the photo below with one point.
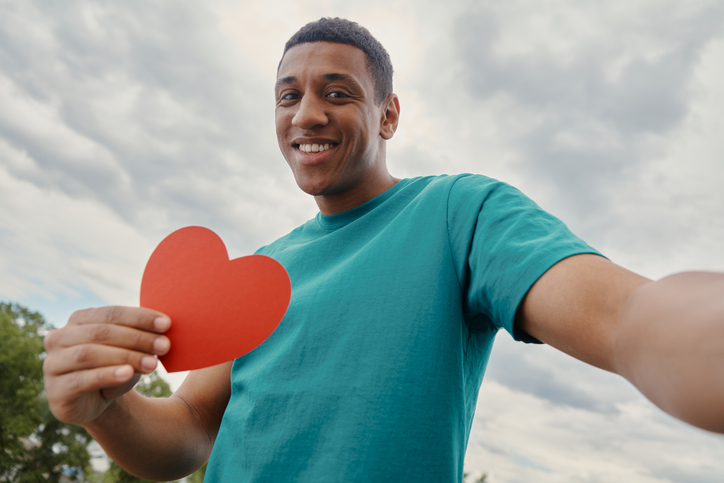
(337, 94)
(290, 97)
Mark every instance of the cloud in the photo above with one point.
(130, 114)
(599, 86)
(123, 121)
(517, 437)
(52, 256)
(550, 375)
(121, 128)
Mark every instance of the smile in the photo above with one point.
(314, 148)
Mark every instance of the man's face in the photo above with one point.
(328, 126)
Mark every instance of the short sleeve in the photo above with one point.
(501, 243)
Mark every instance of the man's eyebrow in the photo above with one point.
(285, 81)
(330, 77)
(343, 77)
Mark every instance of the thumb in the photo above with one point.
(113, 392)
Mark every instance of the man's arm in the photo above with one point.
(92, 364)
(665, 337)
(166, 438)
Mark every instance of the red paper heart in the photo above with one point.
(220, 309)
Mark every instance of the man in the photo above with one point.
(399, 287)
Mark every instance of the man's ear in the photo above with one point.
(390, 117)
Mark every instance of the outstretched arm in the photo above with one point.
(665, 337)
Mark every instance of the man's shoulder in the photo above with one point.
(444, 183)
(285, 240)
(469, 191)
(462, 181)
(431, 189)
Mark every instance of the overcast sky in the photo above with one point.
(123, 121)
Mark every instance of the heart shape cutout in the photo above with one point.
(220, 309)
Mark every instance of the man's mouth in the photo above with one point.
(313, 148)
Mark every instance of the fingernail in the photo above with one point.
(161, 345)
(148, 363)
(161, 323)
(123, 372)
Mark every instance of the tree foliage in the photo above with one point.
(151, 385)
(34, 446)
(481, 479)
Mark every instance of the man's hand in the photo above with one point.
(92, 364)
(99, 355)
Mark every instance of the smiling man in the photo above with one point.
(332, 122)
(399, 287)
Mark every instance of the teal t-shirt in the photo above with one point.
(373, 374)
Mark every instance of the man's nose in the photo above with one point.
(310, 114)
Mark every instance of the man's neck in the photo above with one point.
(352, 198)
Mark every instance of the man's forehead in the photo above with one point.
(341, 60)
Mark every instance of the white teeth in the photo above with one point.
(314, 148)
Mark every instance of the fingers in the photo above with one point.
(78, 382)
(135, 317)
(99, 355)
(135, 328)
(76, 398)
(112, 392)
(107, 335)
(88, 356)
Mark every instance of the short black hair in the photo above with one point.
(343, 31)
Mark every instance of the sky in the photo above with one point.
(121, 122)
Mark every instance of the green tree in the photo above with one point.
(482, 479)
(34, 446)
(198, 475)
(151, 385)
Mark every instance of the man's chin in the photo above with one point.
(312, 189)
